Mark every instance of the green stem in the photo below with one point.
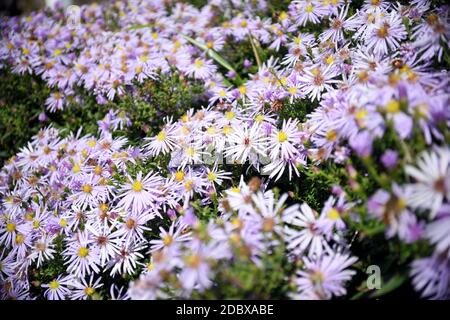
(255, 51)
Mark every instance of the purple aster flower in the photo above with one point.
(389, 159)
(361, 143)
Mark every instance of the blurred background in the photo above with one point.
(17, 7)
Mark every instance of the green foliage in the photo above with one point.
(299, 109)
(21, 101)
(168, 96)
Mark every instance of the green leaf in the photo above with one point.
(213, 55)
(141, 26)
(393, 283)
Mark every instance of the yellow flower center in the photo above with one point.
(401, 204)
(138, 186)
(190, 151)
(76, 168)
(98, 170)
(333, 214)
(361, 114)
(198, 63)
(36, 224)
(330, 59)
(167, 240)
(103, 207)
(20, 238)
(53, 285)
(259, 118)
(237, 223)
(63, 222)
(331, 135)
(211, 130)
(393, 106)
(282, 136)
(161, 136)
(188, 185)
(309, 8)
(89, 291)
(283, 15)
(293, 90)
(83, 252)
(193, 261)
(227, 130)
(87, 188)
(179, 175)
(229, 115)
(11, 227)
(242, 90)
(317, 278)
(92, 143)
(212, 176)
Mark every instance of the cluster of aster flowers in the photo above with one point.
(252, 224)
(77, 192)
(233, 137)
(106, 54)
(380, 110)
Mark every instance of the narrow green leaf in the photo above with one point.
(141, 26)
(393, 283)
(255, 51)
(213, 55)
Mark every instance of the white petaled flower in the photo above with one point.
(178, 232)
(163, 142)
(201, 69)
(276, 168)
(303, 232)
(8, 233)
(324, 276)
(141, 193)
(82, 257)
(315, 81)
(387, 34)
(337, 26)
(42, 250)
(126, 260)
(282, 142)
(215, 176)
(246, 143)
(431, 276)
(432, 176)
(309, 11)
(104, 241)
(191, 155)
(438, 232)
(85, 289)
(133, 227)
(268, 213)
(57, 288)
